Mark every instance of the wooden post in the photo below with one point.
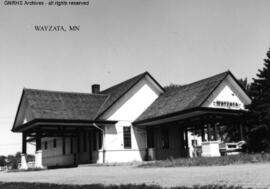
(24, 144)
(64, 145)
(24, 151)
(186, 142)
(90, 145)
(186, 138)
(182, 140)
(240, 131)
(202, 129)
(203, 133)
(78, 143)
(71, 144)
(215, 131)
(214, 125)
(38, 155)
(38, 140)
(208, 132)
(76, 155)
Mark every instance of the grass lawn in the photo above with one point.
(14, 185)
(255, 175)
(209, 161)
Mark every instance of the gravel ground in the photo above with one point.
(246, 175)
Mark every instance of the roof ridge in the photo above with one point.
(214, 88)
(139, 75)
(184, 97)
(226, 72)
(100, 108)
(67, 92)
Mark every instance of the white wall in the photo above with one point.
(228, 91)
(114, 143)
(134, 102)
(125, 111)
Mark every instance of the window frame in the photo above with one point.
(127, 142)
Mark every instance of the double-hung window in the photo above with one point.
(127, 137)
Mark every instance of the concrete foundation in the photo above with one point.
(38, 159)
(23, 162)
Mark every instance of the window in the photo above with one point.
(127, 137)
(45, 145)
(165, 138)
(54, 143)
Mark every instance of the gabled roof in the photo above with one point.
(56, 105)
(180, 98)
(117, 91)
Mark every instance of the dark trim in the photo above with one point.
(24, 141)
(228, 73)
(211, 92)
(17, 112)
(155, 81)
(206, 109)
(139, 79)
(236, 80)
(36, 121)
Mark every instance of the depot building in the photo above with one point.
(135, 120)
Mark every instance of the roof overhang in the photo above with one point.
(185, 114)
(56, 123)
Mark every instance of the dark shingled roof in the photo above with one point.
(117, 91)
(179, 98)
(55, 105)
(63, 105)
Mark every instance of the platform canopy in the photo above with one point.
(219, 96)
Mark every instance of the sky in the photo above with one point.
(176, 41)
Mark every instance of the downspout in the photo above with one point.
(103, 142)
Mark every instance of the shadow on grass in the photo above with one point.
(24, 185)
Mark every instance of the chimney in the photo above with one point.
(95, 88)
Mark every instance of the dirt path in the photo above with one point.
(247, 175)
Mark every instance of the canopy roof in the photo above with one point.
(179, 99)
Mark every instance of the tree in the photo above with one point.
(13, 161)
(260, 109)
(172, 86)
(3, 161)
(245, 84)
